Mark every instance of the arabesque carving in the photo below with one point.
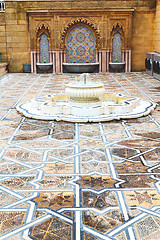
(42, 28)
(118, 24)
(118, 28)
(43, 25)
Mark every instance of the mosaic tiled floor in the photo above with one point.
(65, 181)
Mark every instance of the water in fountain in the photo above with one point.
(85, 78)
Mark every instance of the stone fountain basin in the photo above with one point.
(90, 91)
(117, 67)
(81, 67)
(44, 67)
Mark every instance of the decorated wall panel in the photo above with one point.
(80, 43)
(44, 48)
(117, 48)
(60, 26)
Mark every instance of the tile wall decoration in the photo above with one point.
(44, 48)
(117, 48)
(80, 44)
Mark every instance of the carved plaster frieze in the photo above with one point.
(101, 23)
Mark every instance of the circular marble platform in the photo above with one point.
(111, 107)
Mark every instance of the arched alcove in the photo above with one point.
(80, 45)
(44, 48)
(117, 48)
(43, 43)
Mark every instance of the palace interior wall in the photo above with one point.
(16, 36)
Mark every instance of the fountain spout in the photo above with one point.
(85, 79)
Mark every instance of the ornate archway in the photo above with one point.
(43, 37)
(118, 28)
(84, 22)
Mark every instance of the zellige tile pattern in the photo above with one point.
(69, 181)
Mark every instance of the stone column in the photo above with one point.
(34, 53)
(100, 61)
(129, 60)
(54, 62)
(107, 60)
(57, 62)
(104, 61)
(32, 62)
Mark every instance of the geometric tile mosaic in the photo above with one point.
(117, 48)
(80, 43)
(77, 181)
(44, 48)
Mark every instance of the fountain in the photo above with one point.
(86, 101)
(44, 67)
(117, 67)
(81, 67)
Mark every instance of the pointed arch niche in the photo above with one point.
(119, 52)
(117, 48)
(44, 49)
(117, 43)
(43, 44)
(42, 57)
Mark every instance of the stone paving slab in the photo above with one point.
(69, 181)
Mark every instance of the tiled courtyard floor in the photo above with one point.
(64, 181)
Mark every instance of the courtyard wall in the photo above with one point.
(157, 27)
(142, 37)
(3, 47)
(17, 33)
(17, 39)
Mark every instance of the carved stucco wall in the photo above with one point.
(101, 22)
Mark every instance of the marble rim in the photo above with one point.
(42, 64)
(118, 63)
(27, 110)
(83, 64)
(87, 85)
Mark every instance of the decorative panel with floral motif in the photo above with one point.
(44, 48)
(80, 44)
(117, 48)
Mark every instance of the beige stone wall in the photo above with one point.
(142, 38)
(2, 37)
(157, 27)
(3, 69)
(18, 33)
(17, 36)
